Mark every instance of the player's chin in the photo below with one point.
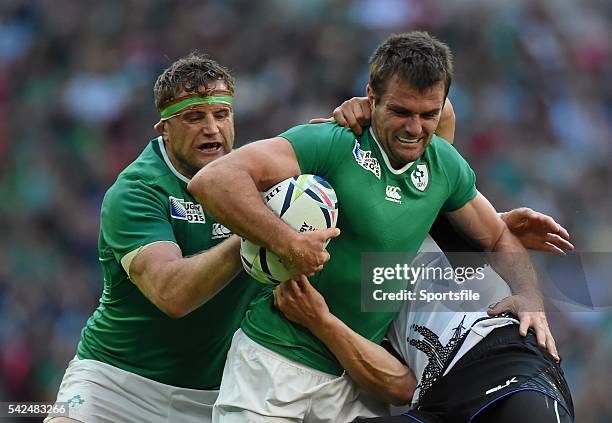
(411, 154)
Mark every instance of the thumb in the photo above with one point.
(500, 307)
(331, 233)
(325, 234)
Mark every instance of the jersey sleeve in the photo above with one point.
(461, 178)
(134, 215)
(319, 147)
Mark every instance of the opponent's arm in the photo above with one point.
(229, 189)
(446, 126)
(479, 222)
(357, 114)
(178, 285)
(369, 365)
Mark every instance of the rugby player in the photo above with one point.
(277, 371)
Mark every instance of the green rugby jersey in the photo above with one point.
(380, 210)
(149, 203)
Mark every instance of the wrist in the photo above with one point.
(503, 216)
(325, 326)
(285, 244)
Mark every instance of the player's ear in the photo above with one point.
(370, 94)
(160, 128)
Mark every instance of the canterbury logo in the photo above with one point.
(219, 231)
(393, 194)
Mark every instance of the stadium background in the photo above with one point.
(532, 94)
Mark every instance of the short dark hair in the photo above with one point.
(189, 73)
(415, 57)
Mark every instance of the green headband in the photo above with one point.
(173, 109)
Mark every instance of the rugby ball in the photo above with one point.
(304, 202)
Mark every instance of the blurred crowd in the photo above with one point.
(532, 95)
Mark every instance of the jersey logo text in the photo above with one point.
(186, 210)
(365, 160)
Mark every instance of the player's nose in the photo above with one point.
(413, 126)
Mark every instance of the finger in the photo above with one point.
(524, 325)
(325, 257)
(321, 120)
(540, 335)
(493, 311)
(295, 288)
(305, 283)
(563, 233)
(348, 113)
(552, 226)
(280, 289)
(276, 300)
(330, 233)
(325, 235)
(549, 223)
(557, 241)
(500, 307)
(551, 346)
(340, 115)
(549, 248)
(366, 112)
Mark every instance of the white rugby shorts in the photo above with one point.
(96, 392)
(259, 385)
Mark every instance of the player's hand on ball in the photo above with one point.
(530, 312)
(301, 303)
(306, 254)
(354, 113)
(538, 231)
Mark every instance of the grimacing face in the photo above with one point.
(405, 119)
(198, 135)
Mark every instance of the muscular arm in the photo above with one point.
(178, 285)
(229, 189)
(369, 365)
(479, 222)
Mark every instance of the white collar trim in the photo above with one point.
(162, 148)
(386, 159)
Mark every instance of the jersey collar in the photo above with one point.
(162, 148)
(386, 158)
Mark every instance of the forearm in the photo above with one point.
(179, 286)
(232, 196)
(479, 221)
(446, 126)
(511, 260)
(370, 365)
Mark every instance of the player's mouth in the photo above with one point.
(406, 140)
(210, 147)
